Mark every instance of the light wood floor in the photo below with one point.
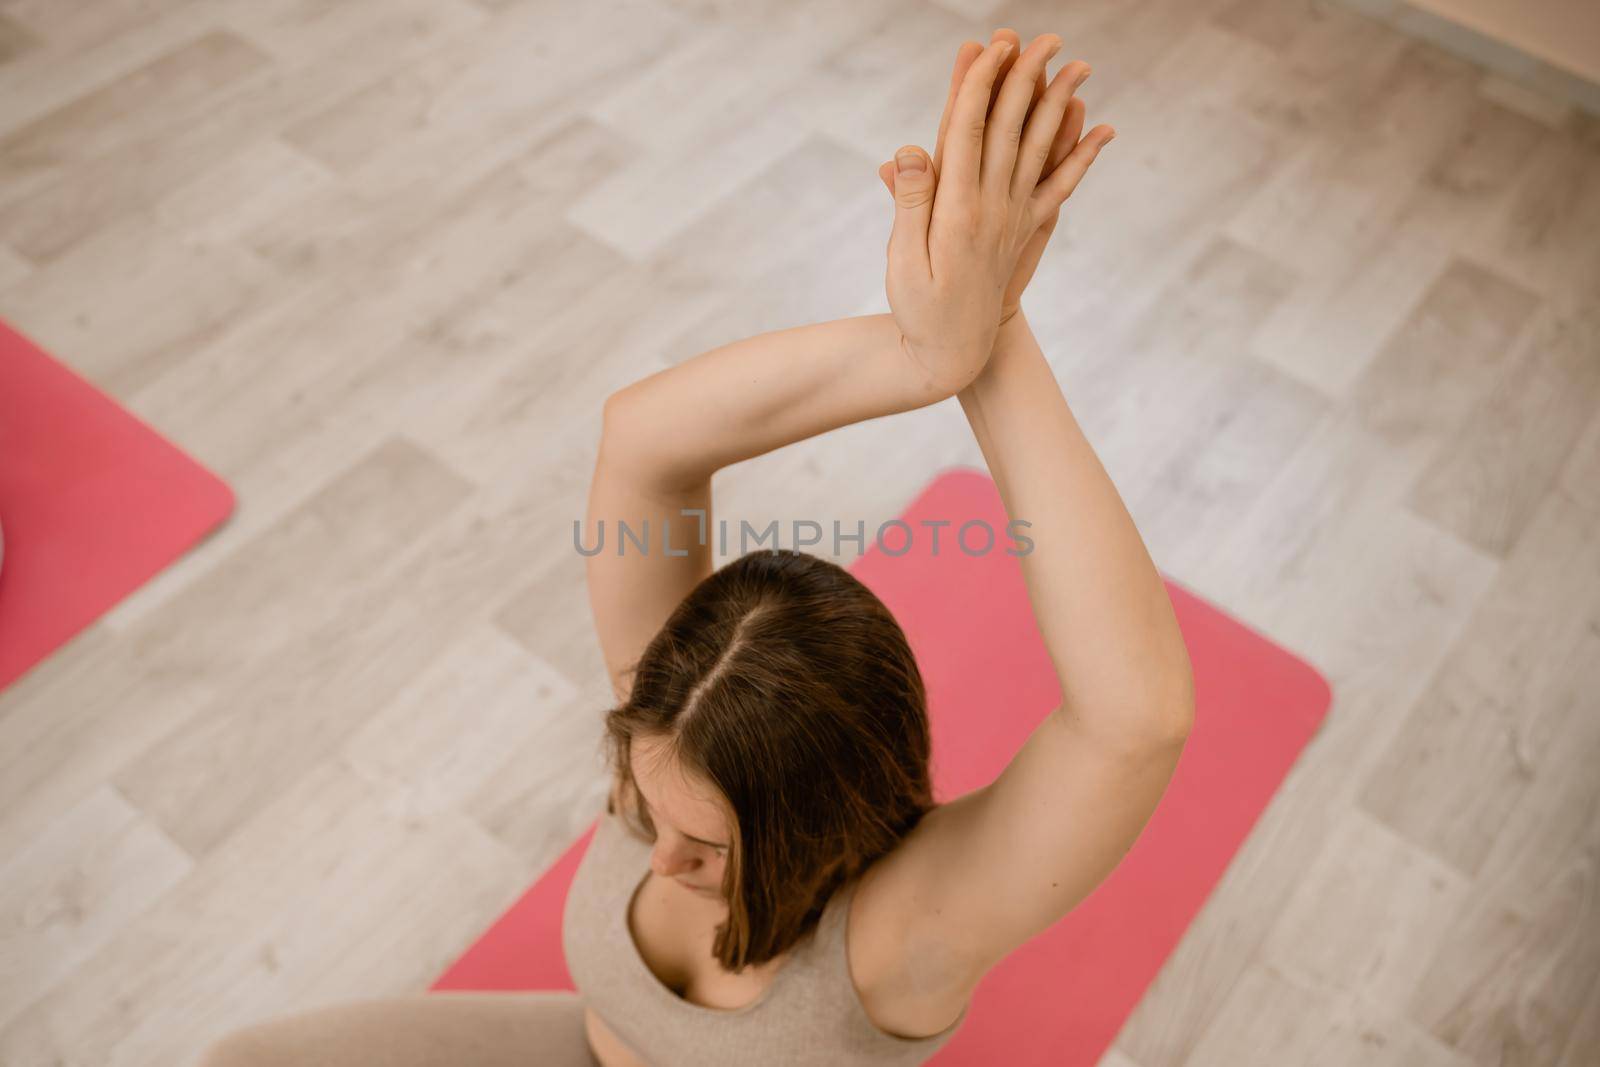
(1329, 309)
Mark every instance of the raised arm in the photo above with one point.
(665, 435)
(984, 873)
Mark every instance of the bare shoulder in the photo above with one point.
(983, 874)
(911, 980)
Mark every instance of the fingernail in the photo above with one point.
(908, 163)
(1082, 77)
(1005, 49)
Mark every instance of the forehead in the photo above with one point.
(690, 804)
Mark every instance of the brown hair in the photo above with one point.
(788, 685)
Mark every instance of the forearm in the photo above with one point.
(752, 396)
(1100, 603)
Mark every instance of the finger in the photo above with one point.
(1067, 135)
(1004, 130)
(1039, 87)
(958, 183)
(913, 208)
(1043, 128)
(1065, 178)
(1004, 34)
(965, 55)
(1066, 139)
(886, 172)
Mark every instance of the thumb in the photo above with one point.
(913, 204)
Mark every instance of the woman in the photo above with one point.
(770, 740)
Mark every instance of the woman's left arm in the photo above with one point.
(665, 435)
(678, 426)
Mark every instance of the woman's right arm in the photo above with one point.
(1100, 604)
(983, 874)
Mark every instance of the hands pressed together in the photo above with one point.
(971, 223)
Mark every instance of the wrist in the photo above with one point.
(1012, 335)
(943, 373)
(1013, 327)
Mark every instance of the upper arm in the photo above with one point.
(632, 594)
(988, 871)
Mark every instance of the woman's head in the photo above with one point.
(774, 743)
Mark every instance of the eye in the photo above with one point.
(720, 850)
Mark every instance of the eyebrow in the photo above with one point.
(691, 837)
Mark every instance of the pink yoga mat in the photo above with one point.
(92, 503)
(1062, 998)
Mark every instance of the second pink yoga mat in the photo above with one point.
(1062, 998)
(93, 502)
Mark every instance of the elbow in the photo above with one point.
(616, 423)
(611, 411)
(1170, 724)
(1137, 721)
(1169, 708)
(1167, 724)
(1181, 725)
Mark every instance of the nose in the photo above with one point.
(669, 860)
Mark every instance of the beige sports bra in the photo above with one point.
(810, 1012)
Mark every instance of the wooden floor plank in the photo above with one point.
(138, 105)
(1331, 1024)
(74, 887)
(1488, 477)
(1406, 916)
(1468, 751)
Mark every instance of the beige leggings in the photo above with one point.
(446, 1029)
